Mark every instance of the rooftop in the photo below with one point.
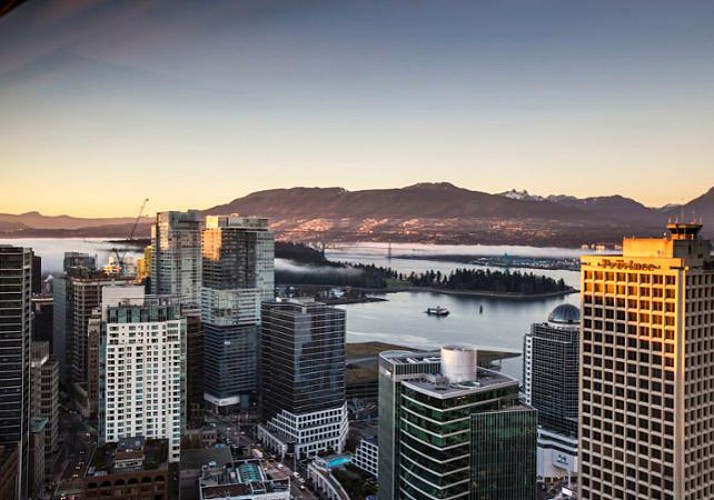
(565, 314)
(367, 430)
(38, 424)
(440, 387)
(196, 459)
(129, 454)
(411, 358)
(245, 478)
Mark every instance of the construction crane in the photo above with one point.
(120, 257)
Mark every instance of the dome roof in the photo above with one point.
(566, 314)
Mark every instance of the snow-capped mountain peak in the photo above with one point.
(524, 195)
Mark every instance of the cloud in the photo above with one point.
(290, 266)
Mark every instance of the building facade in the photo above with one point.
(303, 382)
(448, 429)
(194, 370)
(44, 399)
(15, 344)
(176, 256)
(77, 262)
(76, 296)
(8, 471)
(133, 468)
(142, 365)
(646, 412)
(238, 273)
(42, 316)
(367, 456)
(550, 385)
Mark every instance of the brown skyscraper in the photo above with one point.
(647, 370)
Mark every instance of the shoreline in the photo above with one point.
(473, 293)
(463, 293)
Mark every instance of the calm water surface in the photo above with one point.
(401, 319)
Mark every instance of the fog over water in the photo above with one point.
(485, 322)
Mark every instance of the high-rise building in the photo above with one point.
(194, 370)
(239, 253)
(78, 262)
(42, 316)
(175, 263)
(450, 429)
(15, 344)
(143, 266)
(142, 383)
(647, 369)
(61, 326)
(44, 399)
(36, 274)
(303, 384)
(238, 272)
(550, 385)
(88, 405)
(86, 296)
(76, 296)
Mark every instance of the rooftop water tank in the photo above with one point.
(458, 363)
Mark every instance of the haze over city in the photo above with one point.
(195, 104)
(377, 250)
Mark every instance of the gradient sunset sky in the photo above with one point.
(193, 104)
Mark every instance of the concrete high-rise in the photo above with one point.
(303, 378)
(76, 296)
(449, 429)
(142, 384)
(238, 272)
(550, 385)
(44, 399)
(15, 345)
(647, 369)
(175, 263)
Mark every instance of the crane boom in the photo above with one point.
(138, 218)
(120, 257)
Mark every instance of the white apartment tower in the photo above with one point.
(142, 385)
(647, 370)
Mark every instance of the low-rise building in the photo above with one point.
(245, 480)
(191, 468)
(199, 438)
(133, 468)
(366, 455)
(325, 484)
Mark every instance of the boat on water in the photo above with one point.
(437, 311)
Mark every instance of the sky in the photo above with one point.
(193, 104)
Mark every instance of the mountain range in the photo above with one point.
(425, 212)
